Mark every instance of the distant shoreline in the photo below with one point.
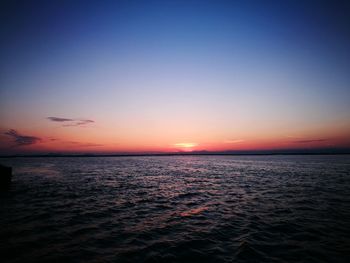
(168, 154)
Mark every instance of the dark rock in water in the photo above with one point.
(5, 176)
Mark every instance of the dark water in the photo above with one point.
(177, 209)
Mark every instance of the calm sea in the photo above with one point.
(177, 209)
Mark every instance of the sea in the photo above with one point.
(270, 208)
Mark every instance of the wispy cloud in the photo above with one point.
(75, 143)
(85, 144)
(311, 140)
(71, 122)
(84, 122)
(22, 140)
(57, 119)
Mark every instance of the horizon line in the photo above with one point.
(251, 153)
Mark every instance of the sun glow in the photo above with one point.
(185, 146)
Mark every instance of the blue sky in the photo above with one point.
(210, 71)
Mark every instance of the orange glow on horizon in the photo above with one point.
(185, 146)
(107, 139)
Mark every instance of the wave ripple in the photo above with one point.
(177, 209)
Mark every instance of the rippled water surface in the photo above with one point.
(177, 209)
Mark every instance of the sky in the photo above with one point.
(173, 76)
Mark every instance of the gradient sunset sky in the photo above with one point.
(168, 76)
